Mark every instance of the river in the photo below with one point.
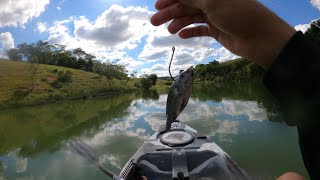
(243, 119)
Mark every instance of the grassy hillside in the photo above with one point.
(18, 87)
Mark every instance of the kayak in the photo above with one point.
(181, 153)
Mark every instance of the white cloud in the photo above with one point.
(19, 12)
(59, 34)
(6, 43)
(222, 54)
(188, 51)
(160, 42)
(116, 28)
(119, 29)
(42, 27)
(163, 69)
(316, 3)
(302, 27)
(118, 57)
(107, 37)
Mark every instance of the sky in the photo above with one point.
(121, 30)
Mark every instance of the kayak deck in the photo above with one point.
(181, 153)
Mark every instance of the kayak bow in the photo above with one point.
(181, 153)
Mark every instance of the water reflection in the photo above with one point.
(33, 139)
(150, 94)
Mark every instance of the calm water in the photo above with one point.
(242, 119)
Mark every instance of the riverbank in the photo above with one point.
(26, 84)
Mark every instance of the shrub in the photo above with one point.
(145, 83)
(153, 79)
(55, 71)
(168, 83)
(63, 77)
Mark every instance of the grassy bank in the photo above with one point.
(20, 86)
(162, 86)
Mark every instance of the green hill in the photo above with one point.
(237, 69)
(24, 84)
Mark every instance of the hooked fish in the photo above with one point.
(178, 95)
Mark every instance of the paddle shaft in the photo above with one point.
(85, 151)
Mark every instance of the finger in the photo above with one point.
(177, 24)
(176, 10)
(215, 32)
(194, 32)
(161, 4)
(194, 3)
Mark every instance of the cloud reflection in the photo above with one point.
(235, 108)
(116, 140)
(247, 108)
(21, 163)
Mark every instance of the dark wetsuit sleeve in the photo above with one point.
(294, 79)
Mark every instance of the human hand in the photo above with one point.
(245, 27)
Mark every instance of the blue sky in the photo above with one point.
(120, 29)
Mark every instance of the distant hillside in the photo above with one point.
(238, 69)
(23, 84)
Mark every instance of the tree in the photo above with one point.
(33, 65)
(14, 54)
(153, 79)
(313, 33)
(134, 74)
(214, 62)
(145, 83)
(58, 55)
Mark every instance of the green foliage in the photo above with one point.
(14, 54)
(16, 90)
(58, 55)
(63, 78)
(55, 71)
(145, 83)
(239, 69)
(153, 79)
(313, 33)
(110, 70)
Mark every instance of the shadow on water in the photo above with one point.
(1, 167)
(150, 95)
(46, 128)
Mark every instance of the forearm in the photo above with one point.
(294, 79)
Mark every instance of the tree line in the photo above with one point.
(45, 53)
(239, 69)
(242, 69)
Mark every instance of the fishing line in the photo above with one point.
(173, 49)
